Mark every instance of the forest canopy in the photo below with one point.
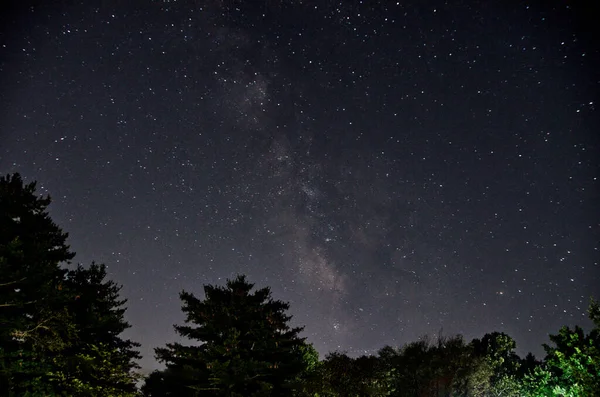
(61, 335)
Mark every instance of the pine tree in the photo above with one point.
(246, 346)
(59, 329)
(33, 323)
(98, 362)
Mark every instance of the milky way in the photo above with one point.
(390, 170)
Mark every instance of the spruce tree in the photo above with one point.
(59, 330)
(98, 362)
(33, 323)
(246, 347)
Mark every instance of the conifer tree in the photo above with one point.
(33, 323)
(246, 346)
(98, 362)
(59, 330)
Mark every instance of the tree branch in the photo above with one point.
(12, 282)
(27, 333)
(16, 304)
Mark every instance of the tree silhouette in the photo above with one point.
(34, 326)
(59, 329)
(246, 346)
(98, 362)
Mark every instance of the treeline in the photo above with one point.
(61, 335)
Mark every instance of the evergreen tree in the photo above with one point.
(59, 329)
(33, 323)
(246, 346)
(98, 362)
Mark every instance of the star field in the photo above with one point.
(390, 170)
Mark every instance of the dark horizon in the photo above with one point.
(389, 171)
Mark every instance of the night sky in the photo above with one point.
(389, 169)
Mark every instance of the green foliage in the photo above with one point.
(451, 367)
(345, 376)
(247, 347)
(98, 360)
(60, 336)
(474, 379)
(94, 373)
(572, 365)
(498, 348)
(308, 382)
(60, 329)
(339, 375)
(494, 367)
(506, 386)
(426, 369)
(34, 325)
